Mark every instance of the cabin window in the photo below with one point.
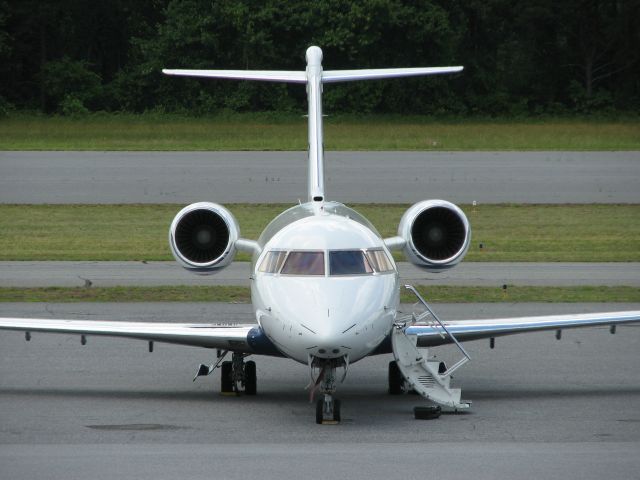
(379, 261)
(304, 263)
(348, 262)
(272, 262)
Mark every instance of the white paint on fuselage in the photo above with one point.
(324, 316)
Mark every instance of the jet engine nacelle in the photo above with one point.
(203, 237)
(436, 234)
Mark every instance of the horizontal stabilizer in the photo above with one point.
(331, 76)
(264, 75)
(328, 76)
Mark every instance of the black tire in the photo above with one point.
(250, 378)
(427, 413)
(226, 379)
(336, 410)
(442, 367)
(319, 409)
(396, 380)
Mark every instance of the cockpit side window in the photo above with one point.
(379, 261)
(348, 262)
(304, 263)
(272, 262)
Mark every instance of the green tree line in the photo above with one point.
(522, 57)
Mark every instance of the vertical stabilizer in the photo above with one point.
(316, 142)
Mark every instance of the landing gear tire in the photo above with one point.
(427, 413)
(250, 378)
(320, 411)
(226, 379)
(396, 380)
(336, 410)
(335, 416)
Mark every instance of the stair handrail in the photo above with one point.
(451, 335)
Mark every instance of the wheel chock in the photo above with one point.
(427, 412)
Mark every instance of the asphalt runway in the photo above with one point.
(542, 408)
(281, 177)
(109, 274)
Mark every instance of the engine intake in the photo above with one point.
(203, 237)
(436, 233)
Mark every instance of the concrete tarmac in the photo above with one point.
(108, 274)
(281, 177)
(542, 408)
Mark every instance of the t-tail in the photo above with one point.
(314, 76)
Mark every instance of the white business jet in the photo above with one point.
(324, 286)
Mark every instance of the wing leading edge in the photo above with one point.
(238, 338)
(466, 330)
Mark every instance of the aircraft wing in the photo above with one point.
(466, 330)
(240, 338)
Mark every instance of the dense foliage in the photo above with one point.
(520, 56)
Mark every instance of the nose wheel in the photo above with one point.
(327, 410)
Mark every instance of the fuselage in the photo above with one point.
(324, 284)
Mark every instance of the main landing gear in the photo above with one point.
(327, 406)
(236, 376)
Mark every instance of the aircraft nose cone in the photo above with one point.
(328, 339)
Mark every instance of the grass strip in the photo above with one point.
(218, 293)
(288, 132)
(534, 233)
(232, 294)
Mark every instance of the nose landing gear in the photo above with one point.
(327, 407)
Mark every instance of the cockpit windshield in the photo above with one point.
(304, 263)
(348, 262)
(340, 262)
